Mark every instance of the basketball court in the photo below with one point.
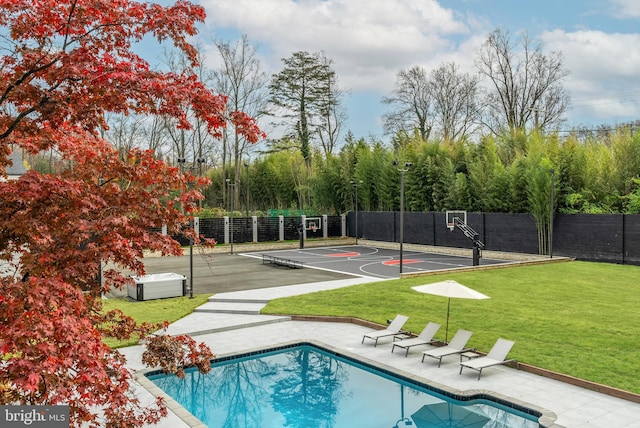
(372, 262)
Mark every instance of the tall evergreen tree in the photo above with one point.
(304, 93)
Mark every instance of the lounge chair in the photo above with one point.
(456, 346)
(424, 338)
(497, 355)
(394, 328)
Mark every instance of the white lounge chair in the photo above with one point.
(456, 346)
(497, 355)
(424, 338)
(394, 328)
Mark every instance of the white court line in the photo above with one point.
(259, 256)
(346, 273)
(311, 259)
(362, 269)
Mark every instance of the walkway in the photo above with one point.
(230, 323)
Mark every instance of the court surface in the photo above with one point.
(373, 262)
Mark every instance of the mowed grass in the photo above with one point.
(576, 318)
(152, 311)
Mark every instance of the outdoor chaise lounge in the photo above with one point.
(424, 338)
(497, 355)
(394, 328)
(456, 346)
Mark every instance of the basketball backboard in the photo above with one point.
(313, 224)
(455, 216)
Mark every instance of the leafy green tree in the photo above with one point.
(485, 167)
(570, 170)
(460, 195)
(431, 178)
(518, 183)
(275, 177)
(633, 199)
(374, 168)
(599, 177)
(625, 147)
(499, 197)
(539, 194)
(331, 188)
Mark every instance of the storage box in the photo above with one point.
(157, 286)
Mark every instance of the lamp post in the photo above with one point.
(246, 198)
(201, 161)
(407, 165)
(181, 162)
(551, 190)
(232, 187)
(356, 184)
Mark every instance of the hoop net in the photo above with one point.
(314, 228)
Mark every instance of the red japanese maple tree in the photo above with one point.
(63, 65)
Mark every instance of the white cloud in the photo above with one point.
(597, 55)
(626, 8)
(371, 40)
(368, 40)
(604, 72)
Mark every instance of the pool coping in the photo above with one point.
(571, 380)
(546, 417)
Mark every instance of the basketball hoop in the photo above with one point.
(313, 228)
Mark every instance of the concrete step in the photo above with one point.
(226, 307)
(236, 300)
(210, 322)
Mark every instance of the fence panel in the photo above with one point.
(268, 229)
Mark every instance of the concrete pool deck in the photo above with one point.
(230, 323)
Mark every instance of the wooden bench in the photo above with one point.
(279, 261)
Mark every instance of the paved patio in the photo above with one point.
(230, 324)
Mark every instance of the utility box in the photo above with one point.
(157, 286)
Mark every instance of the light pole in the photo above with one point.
(182, 161)
(407, 165)
(551, 190)
(201, 161)
(356, 184)
(246, 198)
(232, 187)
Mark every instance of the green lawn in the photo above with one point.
(576, 318)
(153, 311)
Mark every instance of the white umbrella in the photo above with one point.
(450, 289)
(446, 414)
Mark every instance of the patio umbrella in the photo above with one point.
(450, 289)
(448, 415)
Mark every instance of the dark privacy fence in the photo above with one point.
(613, 238)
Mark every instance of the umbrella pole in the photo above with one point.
(446, 331)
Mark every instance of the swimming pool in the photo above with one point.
(303, 385)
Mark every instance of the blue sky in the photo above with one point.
(371, 40)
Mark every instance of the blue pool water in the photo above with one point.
(304, 386)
